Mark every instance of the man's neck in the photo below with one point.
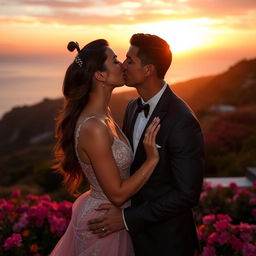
(150, 89)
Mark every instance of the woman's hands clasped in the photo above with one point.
(149, 141)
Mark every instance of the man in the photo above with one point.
(160, 218)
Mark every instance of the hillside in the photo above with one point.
(236, 87)
(34, 125)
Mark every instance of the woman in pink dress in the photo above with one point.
(90, 143)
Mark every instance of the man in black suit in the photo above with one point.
(160, 218)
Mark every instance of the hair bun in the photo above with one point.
(72, 46)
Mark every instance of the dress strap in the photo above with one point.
(77, 134)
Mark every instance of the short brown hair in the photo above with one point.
(153, 50)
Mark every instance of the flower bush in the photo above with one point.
(230, 141)
(238, 203)
(31, 225)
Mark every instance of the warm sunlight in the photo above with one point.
(182, 35)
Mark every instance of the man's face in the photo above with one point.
(134, 72)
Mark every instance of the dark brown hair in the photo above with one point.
(153, 50)
(76, 88)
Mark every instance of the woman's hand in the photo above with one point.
(149, 141)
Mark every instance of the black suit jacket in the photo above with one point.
(160, 218)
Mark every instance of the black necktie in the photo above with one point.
(143, 107)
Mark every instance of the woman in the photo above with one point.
(90, 143)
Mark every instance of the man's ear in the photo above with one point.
(100, 76)
(149, 69)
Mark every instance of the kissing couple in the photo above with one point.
(144, 178)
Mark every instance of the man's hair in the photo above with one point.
(153, 50)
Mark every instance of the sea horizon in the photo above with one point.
(27, 81)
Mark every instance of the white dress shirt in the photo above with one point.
(141, 123)
(141, 120)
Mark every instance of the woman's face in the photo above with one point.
(114, 72)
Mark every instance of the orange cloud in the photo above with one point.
(233, 13)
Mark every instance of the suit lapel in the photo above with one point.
(133, 115)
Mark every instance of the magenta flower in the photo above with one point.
(223, 237)
(207, 186)
(65, 207)
(209, 219)
(22, 222)
(38, 211)
(59, 224)
(203, 195)
(213, 238)
(8, 207)
(15, 193)
(208, 251)
(32, 197)
(244, 227)
(224, 217)
(12, 241)
(233, 185)
(236, 243)
(249, 249)
(221, 225)
(45, 198)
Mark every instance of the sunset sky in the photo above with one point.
(206, 36)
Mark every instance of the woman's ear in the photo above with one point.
(100, 76)
(149, 69)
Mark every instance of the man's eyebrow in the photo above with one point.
(128, 57)
(114, 56)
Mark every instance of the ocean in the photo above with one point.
(28, 80)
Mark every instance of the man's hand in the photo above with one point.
(110, 222)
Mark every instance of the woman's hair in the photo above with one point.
(153, 50)
(77, 85)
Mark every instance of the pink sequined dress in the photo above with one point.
(77, 240)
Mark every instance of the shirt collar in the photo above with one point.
(154, 100)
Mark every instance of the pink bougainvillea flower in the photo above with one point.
(209, 219)
(22, 223)
(233, 185)
(221, 225)
(224, 217)
(209, 251)
(249, 249)
(244, 227)
(224, 237)
(207, 186)
(15, 193)
(236, 243)
(14, 240)
(213, 238)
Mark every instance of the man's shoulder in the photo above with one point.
(179, 110)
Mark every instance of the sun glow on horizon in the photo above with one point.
(182, 35)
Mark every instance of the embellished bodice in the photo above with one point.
(123, 156)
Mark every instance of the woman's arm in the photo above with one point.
(96, 144)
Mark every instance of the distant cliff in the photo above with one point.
(34, 125)
(236, 87)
